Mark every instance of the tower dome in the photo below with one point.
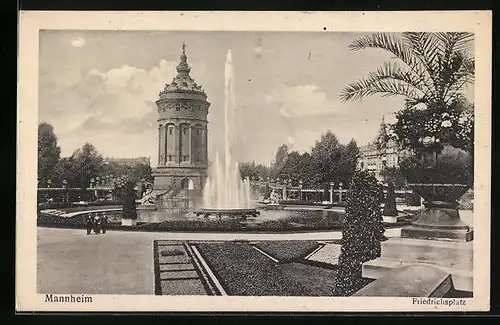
(182, 131)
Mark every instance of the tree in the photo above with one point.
(279, 160)
(429, 70)
(48, 152)
(393, 175)
(88, 164)
(129, 209)
(306, 169)
(349, 161)
(362, 232)
(65, 169)
(291, 168)
(252, 170)
(326, 155)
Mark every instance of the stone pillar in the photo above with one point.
(190, 137)
(205, 149)
(161, 145)
(284, 193)
(177, 139)
(331, 192)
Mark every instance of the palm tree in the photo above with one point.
(428, 68)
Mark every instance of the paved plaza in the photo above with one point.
(121, 262)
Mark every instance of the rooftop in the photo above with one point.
(182, 81)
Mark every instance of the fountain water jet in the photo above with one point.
(225, 193)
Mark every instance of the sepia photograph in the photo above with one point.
(285, 164)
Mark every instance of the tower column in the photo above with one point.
(177, 138)
(190, 135)
(161, 144)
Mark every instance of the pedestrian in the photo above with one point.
(89, 223)
(97, 224)
(104, 222)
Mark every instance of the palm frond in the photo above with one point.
(427, 48)
(459, 73)
(456, 41)
(385, 42)
(381, 83)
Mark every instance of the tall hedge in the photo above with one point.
(362, 232)
(129, 210)
(390, 202)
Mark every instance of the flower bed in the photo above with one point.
(69, 206)
(243, 271)
(288, 250)
(309, 203)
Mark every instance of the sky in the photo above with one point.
(101, 87)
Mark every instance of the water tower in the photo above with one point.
(182, 132)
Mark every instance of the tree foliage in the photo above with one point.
(329, 161)
(393, 175)
(279, 160)
(361, 233)
(253, 170)
(48, 152)
(430, 70)
(135, 173)
(427, 68)
(88, 163)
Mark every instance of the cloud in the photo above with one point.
(79, 42)
(109, 107)
(301, 100)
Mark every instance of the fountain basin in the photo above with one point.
(230, 212)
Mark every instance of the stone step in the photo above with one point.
(410, 281)
(179, 275)
(448, 254)
(377, 268)
(462, 235)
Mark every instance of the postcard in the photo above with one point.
(218, 161)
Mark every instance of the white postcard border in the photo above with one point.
(31, 22)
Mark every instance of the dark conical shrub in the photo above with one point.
(361, 233)
(390, 202)
(129, 206)
(381, 192)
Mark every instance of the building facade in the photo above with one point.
(182, 132)
(375, 158)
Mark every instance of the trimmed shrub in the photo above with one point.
(129, 210)
(381, 194)
(390, 202)
(362, 232)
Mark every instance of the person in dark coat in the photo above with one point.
(97, 224)
(104, 222)
(89, 223)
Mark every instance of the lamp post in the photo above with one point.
(48, 191)
(65, 187)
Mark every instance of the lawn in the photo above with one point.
(288, 250)
(243, 271)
